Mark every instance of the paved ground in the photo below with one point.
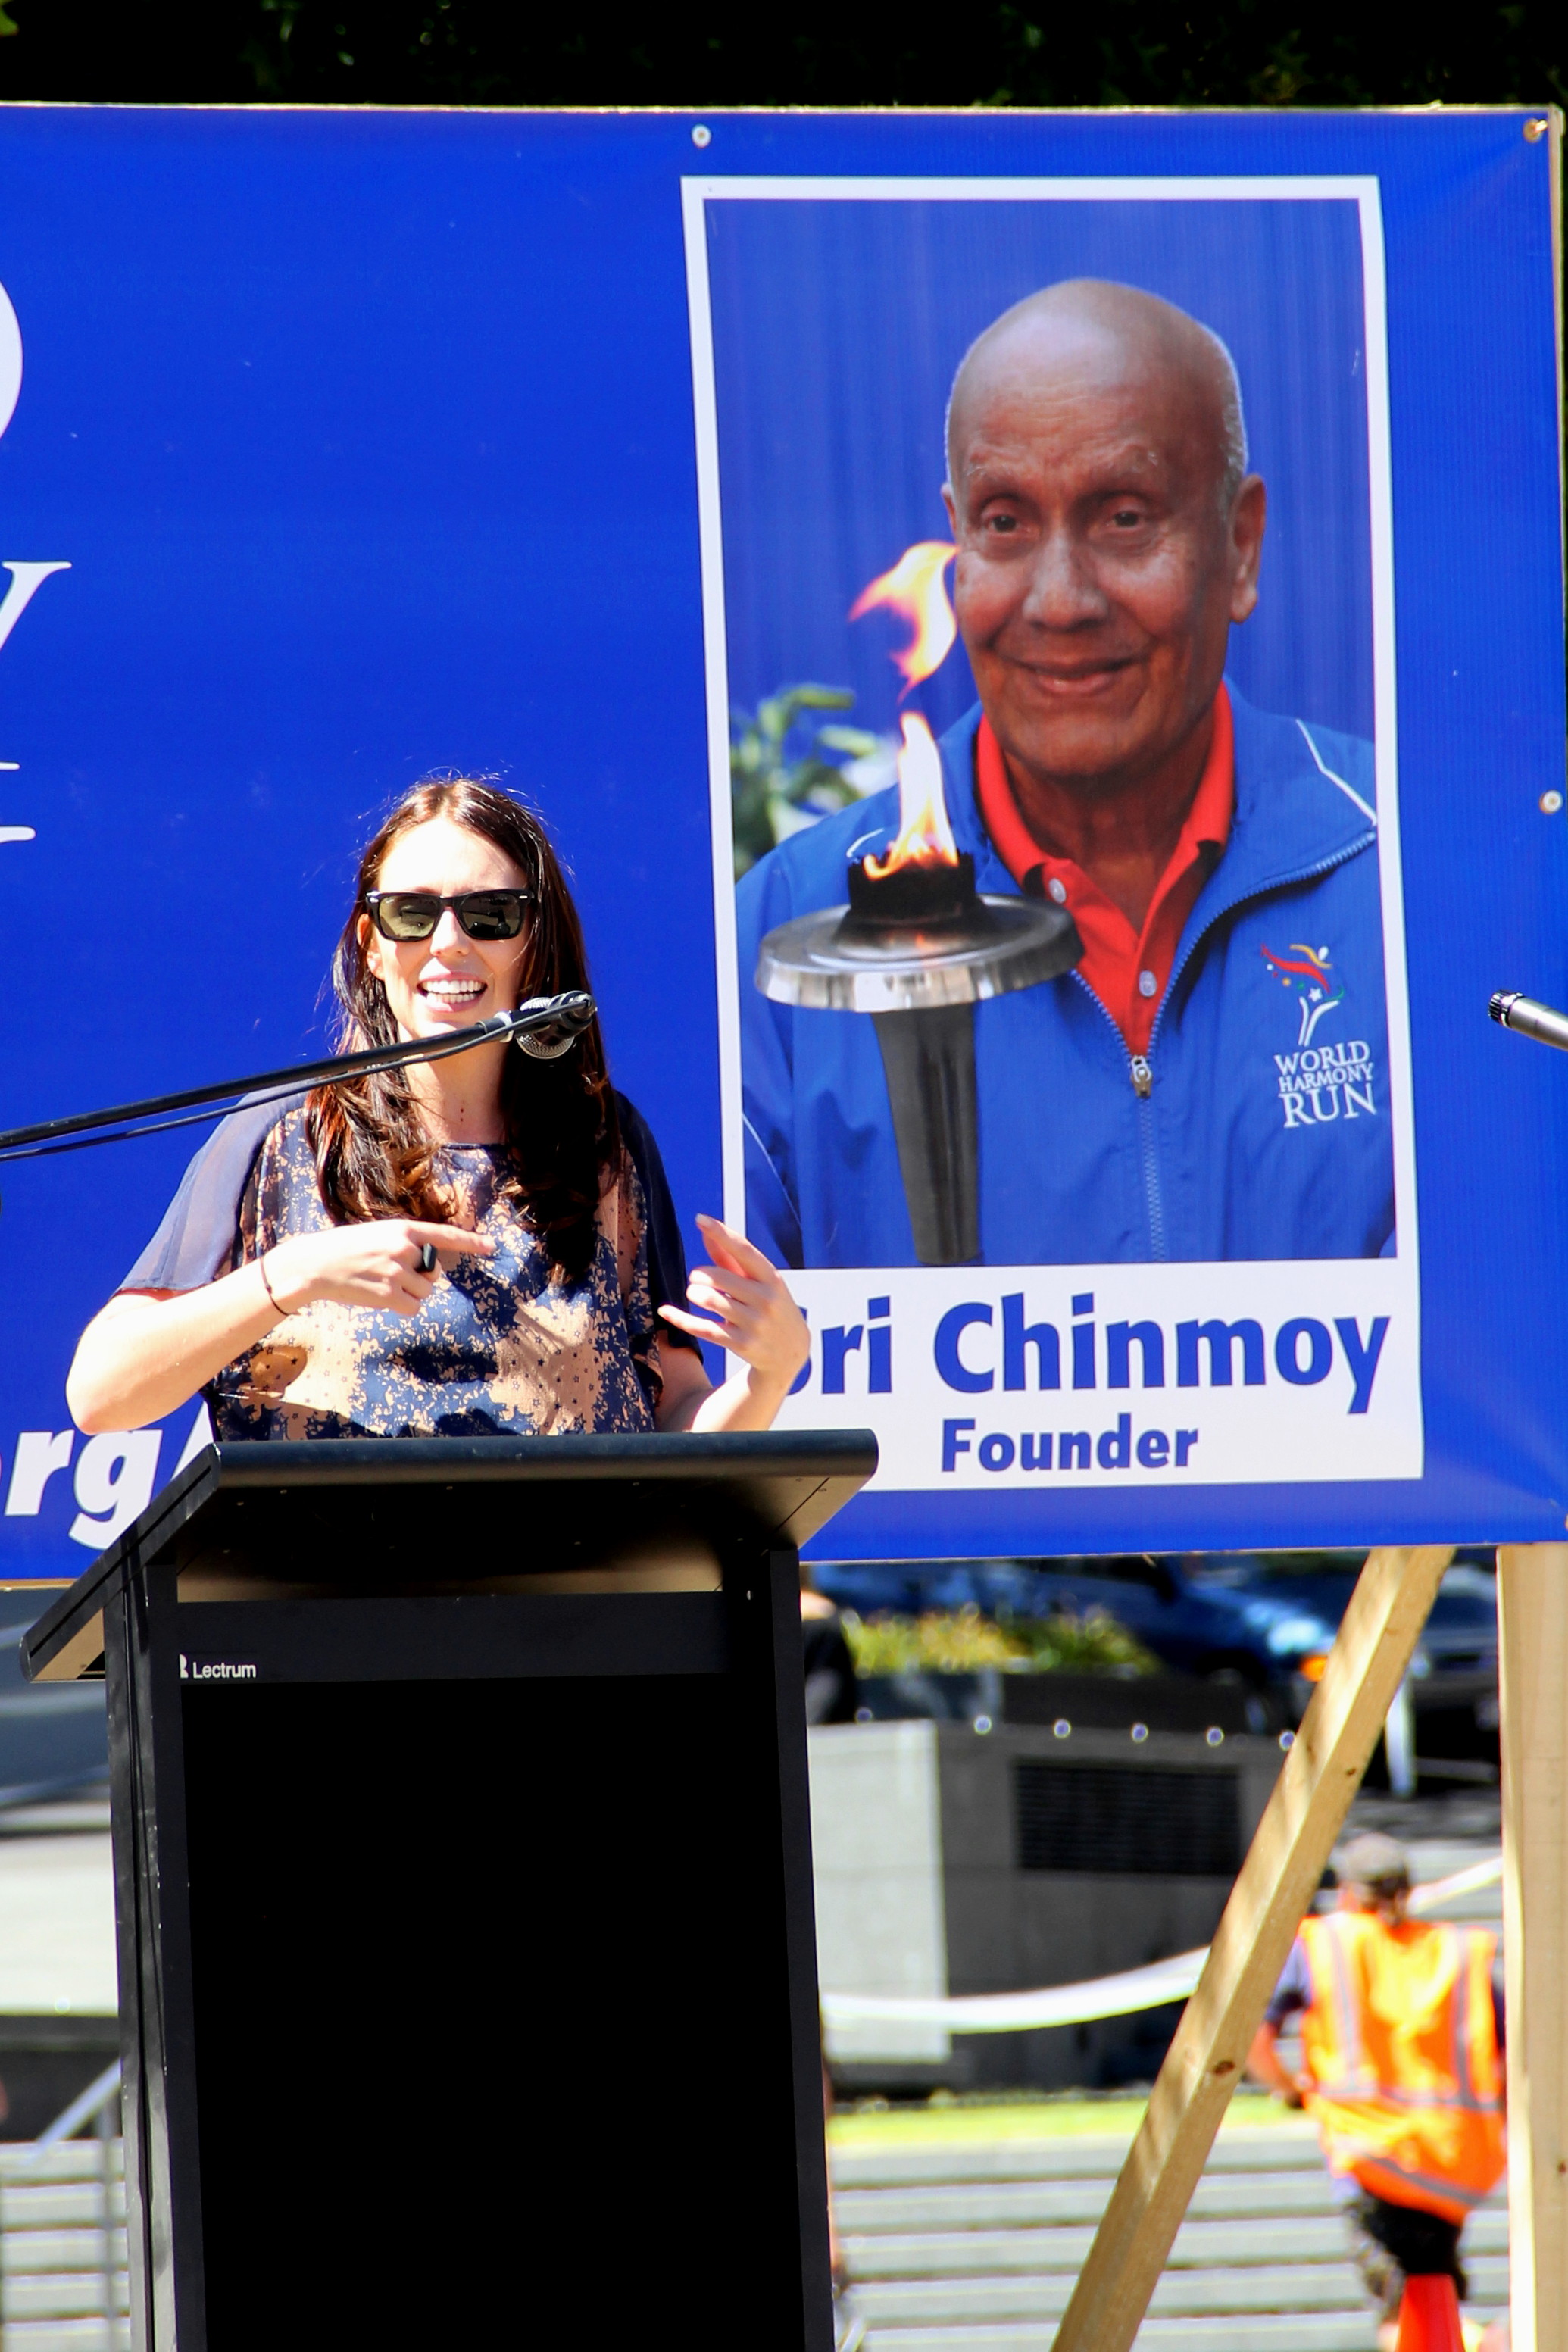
(1462, 1816)
(56, 1911)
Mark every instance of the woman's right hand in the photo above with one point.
(147, 1352)
(374, 1264)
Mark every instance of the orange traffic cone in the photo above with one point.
(1429, 2316)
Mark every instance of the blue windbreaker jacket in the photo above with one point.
(1256, 1127)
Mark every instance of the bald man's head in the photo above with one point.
(1108, 532)
(1084, 320)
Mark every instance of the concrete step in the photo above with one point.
(974, 2247)
(949, 2302)
(52, 2248)
(1282, 2147)
(1200, 2245)
(68, 2335)
(59, 2205)
(879, 2218)
(1310, 2331)
(1022, 2204)
(974, 2253)
(71, 2160)
(29, 2251)
(1286, 2288)
(59, 2296)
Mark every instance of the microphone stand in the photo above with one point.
(567, 1016)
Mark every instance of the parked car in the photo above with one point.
(1262, 1621)
(1454, 1671)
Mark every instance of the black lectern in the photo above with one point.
(463, 1879)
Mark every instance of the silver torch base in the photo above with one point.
(921, 977)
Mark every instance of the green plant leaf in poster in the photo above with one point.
(776, 788)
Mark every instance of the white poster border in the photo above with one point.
(1398, 1451)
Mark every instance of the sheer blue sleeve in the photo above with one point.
(195, 1243)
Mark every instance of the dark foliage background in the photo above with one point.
(993, 52)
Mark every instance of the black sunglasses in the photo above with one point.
(414, 914)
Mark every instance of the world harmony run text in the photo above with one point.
(1321, 1083)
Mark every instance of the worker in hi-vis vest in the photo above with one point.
(1402, 2036)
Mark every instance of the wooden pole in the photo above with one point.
(1532, 1608)
(1271, 1897)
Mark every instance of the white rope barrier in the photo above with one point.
(1081, 2004)
(1018, 2012)
(1438, 1891)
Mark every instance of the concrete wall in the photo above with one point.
(875, 1842)
(919, 1890)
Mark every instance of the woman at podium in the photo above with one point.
(482, 1246)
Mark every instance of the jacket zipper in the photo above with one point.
(1140, 1066)
(1144, 1087)
(1143, 1079)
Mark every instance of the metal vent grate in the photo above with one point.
(1104, 1819)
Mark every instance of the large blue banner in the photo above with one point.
(614, 456)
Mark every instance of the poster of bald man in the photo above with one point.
(1049, 603)
(1038, 637)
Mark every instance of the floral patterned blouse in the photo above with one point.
(498, 1350)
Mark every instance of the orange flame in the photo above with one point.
(925, 837)
(916, 591)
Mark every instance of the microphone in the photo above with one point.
(546, 1039)
(1529, 1018)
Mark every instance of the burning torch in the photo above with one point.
(918, 947)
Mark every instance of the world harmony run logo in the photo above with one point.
(1305, 970)
(1319, 1084)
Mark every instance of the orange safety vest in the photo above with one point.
(1400, 2043)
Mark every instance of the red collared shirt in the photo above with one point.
(1128, 970)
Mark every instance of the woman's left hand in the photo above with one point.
(756, 1318)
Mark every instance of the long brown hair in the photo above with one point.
(374, 1156)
